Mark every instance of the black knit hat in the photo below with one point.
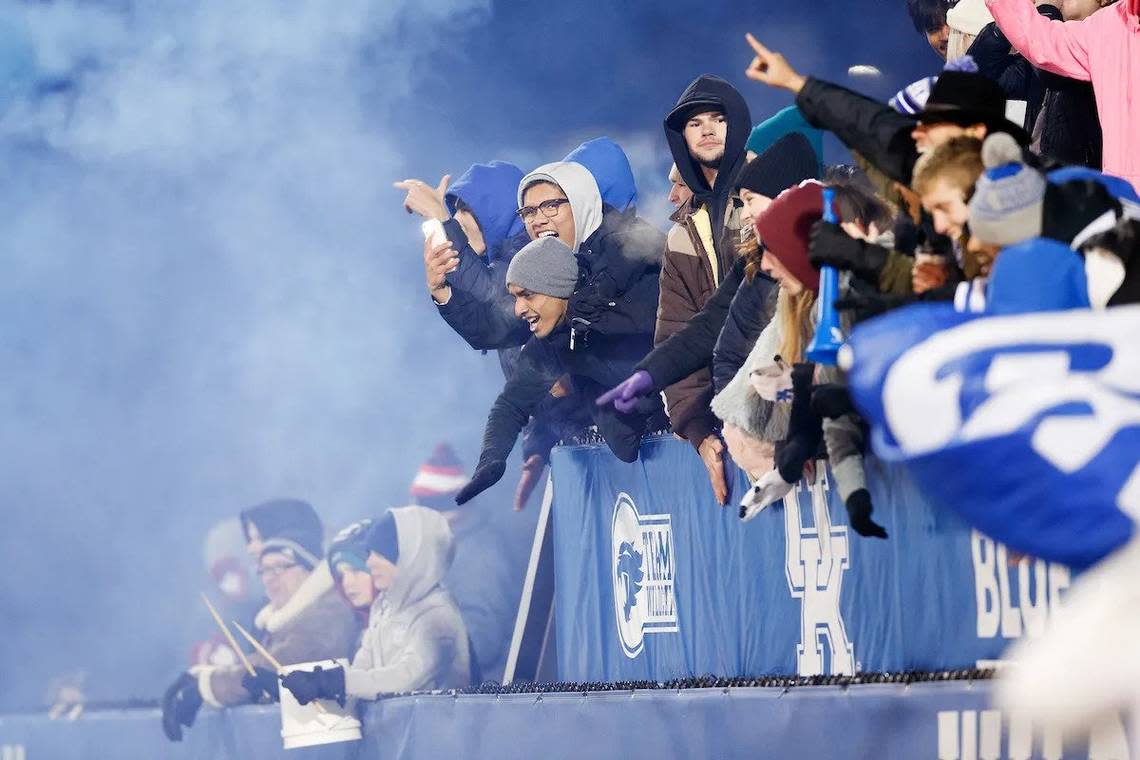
(965, 98)
(383, 538)
(290, 523)
(788, 162)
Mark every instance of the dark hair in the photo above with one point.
(857, 204)
(927, 15)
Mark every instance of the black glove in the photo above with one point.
(261, 685)
(180, 705)
(831, 400)
(805, 428)
(486, 475)
(317, 684)
(859, 515)
(865, 303)
(831, 246)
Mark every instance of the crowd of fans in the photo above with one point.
(1004, 183)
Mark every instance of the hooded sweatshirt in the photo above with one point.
(489, 190)
(701, 246)
(581, 190)
(415, 638)
(1103, 49)
(605, 159)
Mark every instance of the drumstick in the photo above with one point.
(229, 636)
(257, 645)
(272, 660)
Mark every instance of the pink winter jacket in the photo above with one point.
(1103, 49)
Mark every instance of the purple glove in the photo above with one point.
(628, 392)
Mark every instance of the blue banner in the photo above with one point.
(655, 581)
(948, 721)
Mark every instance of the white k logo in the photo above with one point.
(817, 557)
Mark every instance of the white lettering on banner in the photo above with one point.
(922, 390)
(13, 752)
(979, 735)
(1002, 610)
(643, 576)
(816, 558)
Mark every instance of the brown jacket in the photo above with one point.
(315, 624)
(688, 281)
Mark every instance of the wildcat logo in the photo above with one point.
(816, 558)
(643, 573)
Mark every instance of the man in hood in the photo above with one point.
(304, 620)
(706, 130)
(590, 316)
(415, 639)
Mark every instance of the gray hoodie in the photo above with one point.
(415, 638)
(581, 190)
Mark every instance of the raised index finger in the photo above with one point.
(761, 51)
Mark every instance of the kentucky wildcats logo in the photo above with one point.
(643, 572)
(816, 558)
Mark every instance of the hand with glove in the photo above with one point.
(832, 246)
(486, 475)
(628, 393)
(318, 683)
(805, 428)
(767, 490)
(262, 685)
(831, 400)
(859, 510)
(180, 705)
(532, 470)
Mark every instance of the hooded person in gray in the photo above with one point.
(415, 639)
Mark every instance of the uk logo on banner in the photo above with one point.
(643, 575)
(816, 558)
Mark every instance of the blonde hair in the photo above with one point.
(958, 161)
(795, 322)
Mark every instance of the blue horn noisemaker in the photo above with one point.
(829, 338)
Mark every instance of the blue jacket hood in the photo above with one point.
(1037, 275)
(489, 189)
(605, 159)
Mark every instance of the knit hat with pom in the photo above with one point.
(1006, 207)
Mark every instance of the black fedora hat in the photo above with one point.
(965, 98)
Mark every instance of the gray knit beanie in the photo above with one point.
(546, 266)
(1008, 197)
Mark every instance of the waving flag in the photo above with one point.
(1028, 425)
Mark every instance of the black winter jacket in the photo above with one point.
(608, 328)
(693, 347)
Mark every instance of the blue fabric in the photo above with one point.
(784, 121)
(1119, 188)
(1037, 275)
(1044, 398)
(605, 159)
(655, 581)
(490, 190)
(886, 721)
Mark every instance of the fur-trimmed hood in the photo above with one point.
(318, 582)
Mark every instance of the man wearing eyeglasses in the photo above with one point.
(586, 286)
(305, 619)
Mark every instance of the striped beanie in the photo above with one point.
(439, 479)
